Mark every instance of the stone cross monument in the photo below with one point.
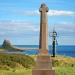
(43, 62)
(43, 43)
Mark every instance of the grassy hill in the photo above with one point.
(17, 64)
(15, 61)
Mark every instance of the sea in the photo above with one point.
(65, 50)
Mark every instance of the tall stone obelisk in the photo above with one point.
(43, 42)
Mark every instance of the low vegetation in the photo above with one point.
(60, 61)
(17, 64)
(65, 70)
(64, 65)
(15, 61)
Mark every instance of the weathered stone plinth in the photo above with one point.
(43, 66)
(43, 72)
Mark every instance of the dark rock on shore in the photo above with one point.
(6, 44)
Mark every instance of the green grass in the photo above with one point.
(58, 71)
(15, 61)
(65, 71)
(15, 65)
(1, 49)
(17, 72)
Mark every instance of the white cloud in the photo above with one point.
(31, 13)
(64, 28)
(60, 13)
(50, 13)
(17, 27)
(36, 12)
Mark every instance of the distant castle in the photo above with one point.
(6, 44)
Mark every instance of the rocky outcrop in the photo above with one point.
(6, 44)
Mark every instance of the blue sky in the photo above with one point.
(20, 21)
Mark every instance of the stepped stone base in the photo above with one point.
(43, 72)
(43, 66)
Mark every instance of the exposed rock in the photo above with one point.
(6, 44)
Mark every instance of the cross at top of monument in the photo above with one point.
(43, 8)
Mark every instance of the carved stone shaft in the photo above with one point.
(43, 42)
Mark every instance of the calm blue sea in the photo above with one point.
(60, 50)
